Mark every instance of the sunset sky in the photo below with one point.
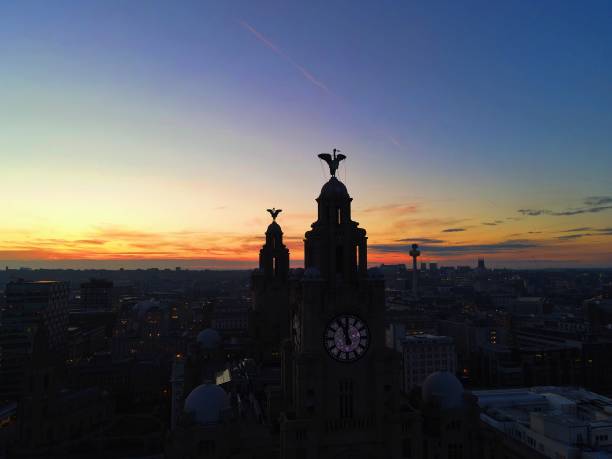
(161, 131)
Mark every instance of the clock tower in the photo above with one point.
(340, 381)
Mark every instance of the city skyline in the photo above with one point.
(127, 147)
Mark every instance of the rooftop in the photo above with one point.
(553, 419)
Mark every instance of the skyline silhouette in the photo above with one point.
(154, 135)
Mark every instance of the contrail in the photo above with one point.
(305, 73)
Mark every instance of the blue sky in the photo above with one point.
(466, 110)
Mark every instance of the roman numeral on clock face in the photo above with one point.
(346, 338)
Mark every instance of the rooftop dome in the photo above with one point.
(334, 189)
(274, 228)
(143, 307)
(209, 339)
(206, 403)
(443, 389)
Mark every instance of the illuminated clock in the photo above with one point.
(346, 338)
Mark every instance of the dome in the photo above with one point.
(206, 403)
(143, 307)
(375, 273)
(274, 228)
(334, 190)
(442, 388)
(209, 339)
(312, 273)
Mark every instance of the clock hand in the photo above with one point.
(347, 338)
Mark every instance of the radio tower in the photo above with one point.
(414, 253)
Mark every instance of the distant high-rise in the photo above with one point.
(29, 307)
(481, 264)
(40, 302)
(424, 355)
(97, 294)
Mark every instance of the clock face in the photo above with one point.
(347, 338)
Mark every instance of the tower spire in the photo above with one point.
(414, 253)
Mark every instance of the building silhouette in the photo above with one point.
(30, 306)
(341, 384)
(269, 321)
(98, 294)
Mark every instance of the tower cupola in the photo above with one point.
(274, 256)
(335, 245)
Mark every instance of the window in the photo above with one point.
(406, 448)
(346, 398)
(339, 259)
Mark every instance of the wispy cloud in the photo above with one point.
(271, 45)
(569, 237)
(421, 240)
(453, 230)
(505, 246)
(592, 205)
(598, 200)
(493, 223)
(598, 232)
(577, 230)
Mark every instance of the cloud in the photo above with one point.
(599, 232)
(421, 240)
(564, 213)
(493, 223)
(577, 230)
(506, 246)
(569, 237)
(598, 200)
(532, 212)
(587, 210)
(592, 205)
(305, 73)
(453, 230)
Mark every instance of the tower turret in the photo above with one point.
(269, 318)
(335, 245)
(274, 256)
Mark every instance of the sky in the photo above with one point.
(149, 133)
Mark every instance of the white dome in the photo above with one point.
(209, 339)
(143, 307)
(206, 403)
(444, 389)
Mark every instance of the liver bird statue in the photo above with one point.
(274, 212)
(332, 161)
